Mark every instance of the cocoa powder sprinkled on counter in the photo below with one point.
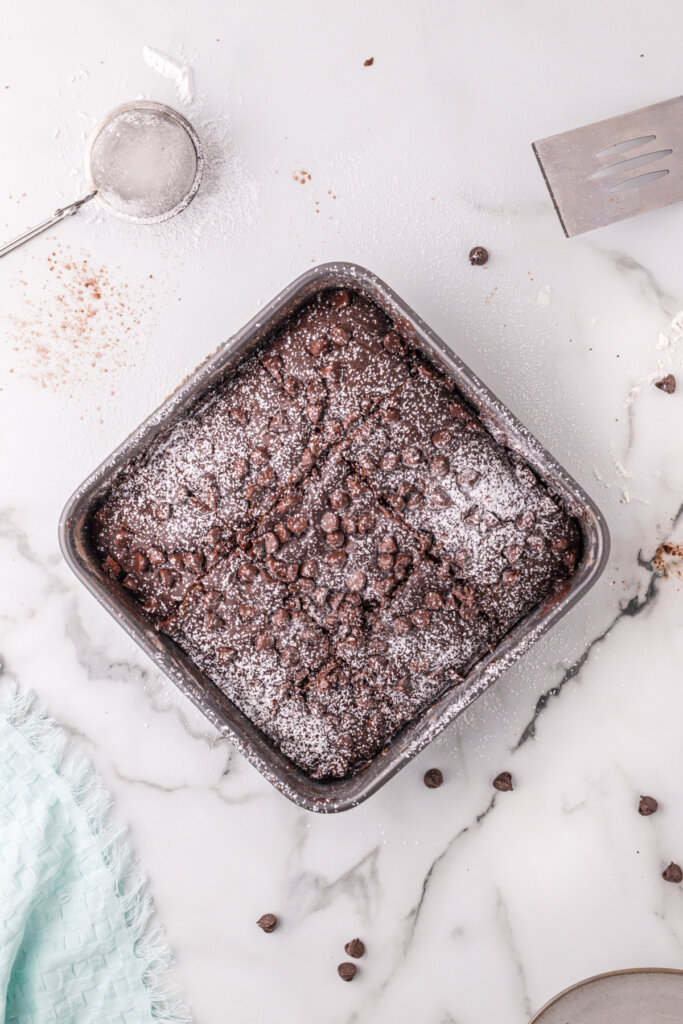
(75, 319)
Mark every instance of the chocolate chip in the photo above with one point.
(439, 466)
(340, 299)
(366, 64)
(329, 522)
(167, 578)
(280, 618)
(290, 656)
(347, 971)
(163, 512)
(402, 626)
(526, 520)
(385, 562)
(317, 346)
(510, 577)
(355, 581)
(335, 539)
(673, 873)
(130, 582)
(559, 544)
(213, 621)
(339, 499)
(194, 560)
(226, 654)
(667, 384)
(392, 343)
(314, 412)
(411, 456)
(111, 567)
(151, 606)
(355, 948)
(389, 462)
(366, 523)
(247, 572)
(169, 624)
(332, 371)
(122, 538)
(569, 559)
(467, 478)
(433, 600)
(421, 618)
(267, 923)
(156, 556)
(340, 335)
(264, 642)
(503, 782)
(309, 570)
(271, 543)
(388, 545)
(297, 524)
(647, 806)
(513, 551)
(336, 558)
(348, 524)
(441, 438)
(281, 531)
(478, 256)
(433, 778)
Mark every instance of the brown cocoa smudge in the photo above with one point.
(668, 558)
(78, 321)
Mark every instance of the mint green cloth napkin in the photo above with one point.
(75, 946)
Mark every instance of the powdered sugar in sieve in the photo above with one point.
(144, 162)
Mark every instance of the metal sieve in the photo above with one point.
(143, 163)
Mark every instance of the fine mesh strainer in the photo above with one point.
(143, 163)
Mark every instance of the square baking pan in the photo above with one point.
(340, 794)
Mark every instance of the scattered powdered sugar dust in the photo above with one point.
(73, 319)
(228, 198)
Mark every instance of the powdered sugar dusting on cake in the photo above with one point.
(333, 536)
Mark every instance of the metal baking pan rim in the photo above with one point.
(345, 793)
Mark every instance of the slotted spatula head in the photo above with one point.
(613, 169)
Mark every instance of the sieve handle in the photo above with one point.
(66, 211)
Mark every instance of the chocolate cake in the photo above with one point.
(333, 536)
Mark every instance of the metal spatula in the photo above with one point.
(613, 169)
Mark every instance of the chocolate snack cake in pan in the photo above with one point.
(332, 534)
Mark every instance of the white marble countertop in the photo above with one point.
(473, 909)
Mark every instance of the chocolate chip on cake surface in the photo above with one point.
(667, 384)
(347, 971)
(503, 782)
(672, 873)
(647, 806)
(355, 948)
(478, 256)
(267, 922)
(433, 778)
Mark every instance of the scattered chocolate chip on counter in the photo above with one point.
(355, 948)
(648, 805)
(347, 971)
(369, 62)
(673, 873)
(267, 923)
(479, 256)
(503, 782)
(667, 384)
(433, 778)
